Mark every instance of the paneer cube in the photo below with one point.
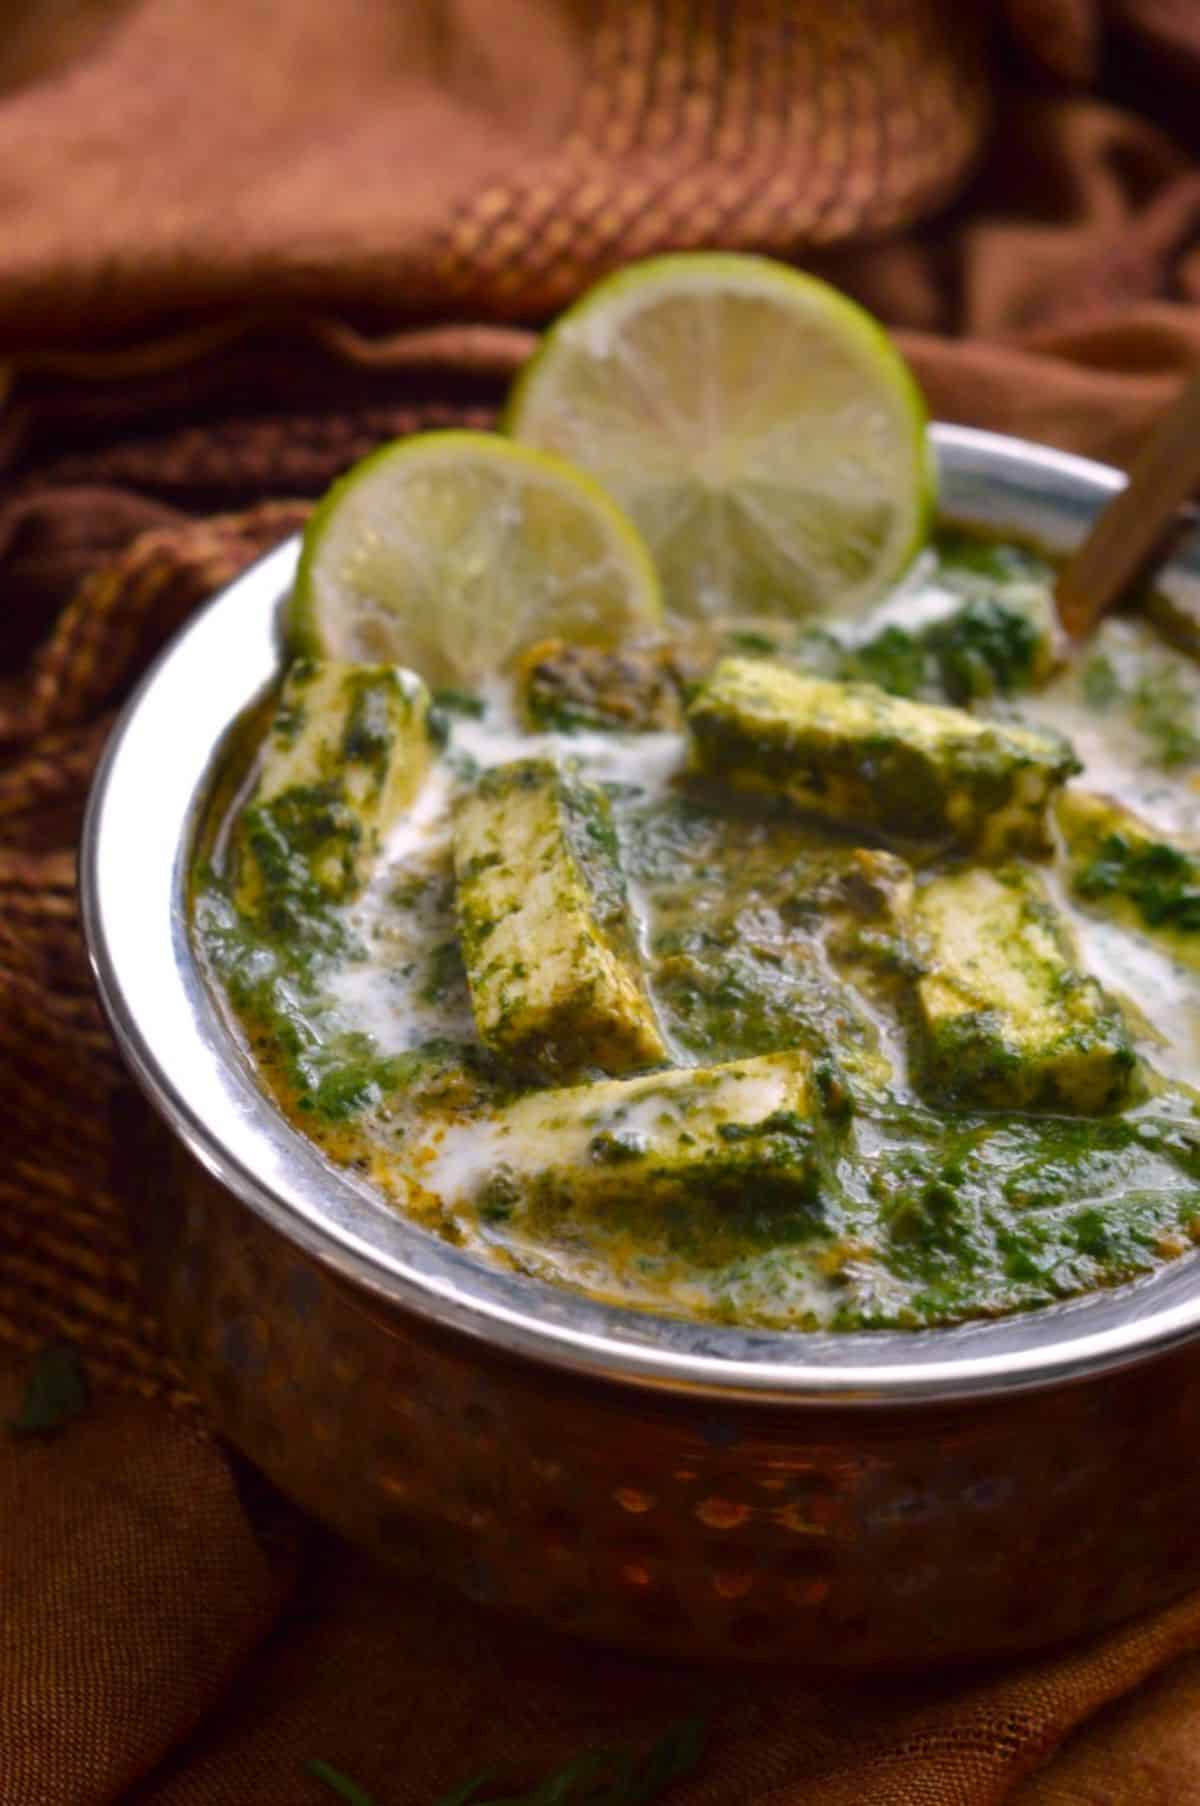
(1144, 879)
(737, 1133)
(1006, 1020)
(345, 754)
(851, 752)
(544, 924)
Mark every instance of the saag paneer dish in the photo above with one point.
(671, 867)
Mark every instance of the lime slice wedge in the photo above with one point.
(448, 552)
(761, 429)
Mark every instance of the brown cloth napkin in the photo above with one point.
(241, 243)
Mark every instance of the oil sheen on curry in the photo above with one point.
(808, 978)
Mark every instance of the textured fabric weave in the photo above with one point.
(241, 244)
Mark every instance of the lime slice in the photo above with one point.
(449, 552)
(761, 429)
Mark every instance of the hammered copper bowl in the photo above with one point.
(875, 1499)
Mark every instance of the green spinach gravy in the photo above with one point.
(780, 976)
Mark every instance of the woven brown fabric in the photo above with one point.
(484, 157)
(239, 245)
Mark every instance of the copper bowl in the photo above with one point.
(878, 1499)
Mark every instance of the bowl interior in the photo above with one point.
(145, 808)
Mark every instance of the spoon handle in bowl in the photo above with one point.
(1131, 527)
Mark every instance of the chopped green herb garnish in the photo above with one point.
(370, 731)
(444, 706)
(460, 702)
(1101, 686)
(1160, 880)
(1164, 709)
(963, 553)
(896, 660)
(986, 647)
(740, 639)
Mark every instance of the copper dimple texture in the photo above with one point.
(857, 1538)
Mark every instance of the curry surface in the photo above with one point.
(358, 1016)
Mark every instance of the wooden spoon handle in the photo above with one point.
(1129, 529)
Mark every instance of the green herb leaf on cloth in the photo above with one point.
(458, 1796)
(603, 1777)
(55, 1392)
(341, 1784)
